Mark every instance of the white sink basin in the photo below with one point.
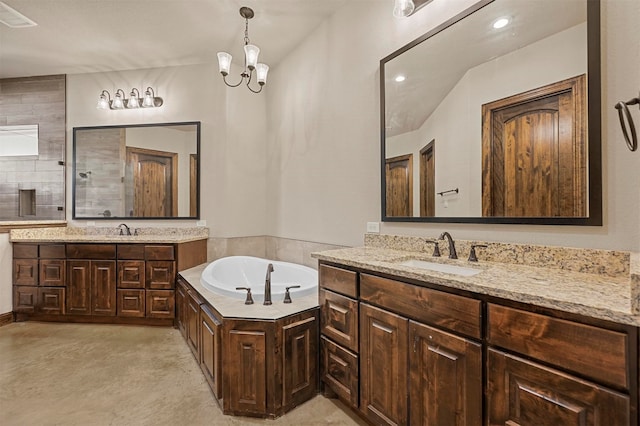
(441, 267)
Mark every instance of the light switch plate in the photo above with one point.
(373, 227)
(201, 223)
(91, 223)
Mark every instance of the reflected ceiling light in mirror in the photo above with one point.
(500, 23)
(400, 78)
(251, 53)
(134, 101)
(404, 8)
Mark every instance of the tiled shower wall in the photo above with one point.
(35, 100)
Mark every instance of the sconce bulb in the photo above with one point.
(224, 63)
(133, 101)
(103, 103)
(251, 53)
(403, 8)
(148, 100)
(262, 70)
(117, 102)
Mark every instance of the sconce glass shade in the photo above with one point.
(148, 100)
(103, 103)
(261, 71)
(251, 53)
(133, 101)
(224, 63)
(403, 8)
(117, 102)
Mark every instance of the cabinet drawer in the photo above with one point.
(160, 274)
(52, 272)
(339, 319)
(131, 251)
(52, 251)
(340, 371)
(91, 251)
(522, 392)
(457, 313)
(339, 280)
(25, 251)
(131, 303)
(158, 253)
(51, 300)
(591, 351)
(131, 274)
(160, 303)
(25, 299)
(25, 271)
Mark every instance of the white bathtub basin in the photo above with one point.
(224, 275)
(441, 267)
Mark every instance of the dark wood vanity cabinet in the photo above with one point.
(98, 281)
(420, 357)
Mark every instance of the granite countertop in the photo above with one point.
(592, 295)
(229, 307)
(107, 235)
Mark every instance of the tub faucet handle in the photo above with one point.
(249, 299)
(287, 295)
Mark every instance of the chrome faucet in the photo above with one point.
(125, 227)
(267, 285)
(452, 245)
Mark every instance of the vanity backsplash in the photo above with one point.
(610, 263)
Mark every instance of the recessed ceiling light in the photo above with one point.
(14, 19)
(400, 78)
(500, 23)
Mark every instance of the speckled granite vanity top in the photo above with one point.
(600, 293)
(107, 235)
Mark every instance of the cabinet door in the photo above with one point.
(193, 327)
(181, 308)
(521, 392)
(445, 378)
(383, 366)
(52, 272)
(103, 287)
(300, 365)
(131, 274)
(211, 350)
(160, 274)
(79, 287)
(51, 300)
(245, 379)
(131, 303)
(25, 271)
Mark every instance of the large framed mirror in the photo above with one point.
(494, 117)
(142, 171)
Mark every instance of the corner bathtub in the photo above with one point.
(222, 276)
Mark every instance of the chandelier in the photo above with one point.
(251, 64)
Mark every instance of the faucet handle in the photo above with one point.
(436, 247)
(287, 295)
(472, 252)
(249, 299)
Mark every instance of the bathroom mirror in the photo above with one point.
(483, 123)
(146, 171)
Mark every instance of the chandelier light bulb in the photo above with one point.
(224, 63)
(403, 8)
(261, 71)
(251, 53)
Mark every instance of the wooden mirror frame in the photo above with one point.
(594, 210)
(75, 172)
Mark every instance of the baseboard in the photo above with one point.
(6, 318)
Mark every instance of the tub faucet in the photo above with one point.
(125, 227)
(452, 245)
(267, 285)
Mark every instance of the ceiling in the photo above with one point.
(80, 36)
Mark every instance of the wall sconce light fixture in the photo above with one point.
(251, 53)
(134, 101)
(404, 8)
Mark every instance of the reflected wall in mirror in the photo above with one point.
(148, 171)
(514, 112)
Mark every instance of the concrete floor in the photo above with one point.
(81, 374)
